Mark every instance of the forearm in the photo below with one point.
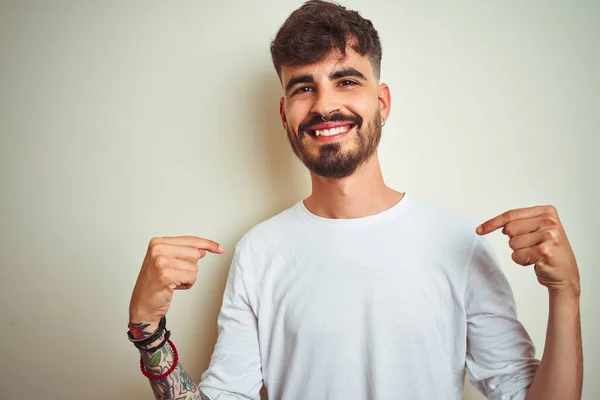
(177, 385)
(560, 374)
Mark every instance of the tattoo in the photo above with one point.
(176, 386)
(137, 330)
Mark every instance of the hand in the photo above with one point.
(538, 237)
(170, 264)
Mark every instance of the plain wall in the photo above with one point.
(121, 121)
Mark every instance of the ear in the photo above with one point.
(385, 101)
(282, 113)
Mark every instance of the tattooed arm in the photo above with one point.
(170, 264)
(176, 386)
(236, 370)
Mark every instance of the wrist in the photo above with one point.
(142, 330)
(155, 345)
(139, 316)
(145, 338)
(571, 291)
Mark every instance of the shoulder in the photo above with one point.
(266, 236)
(446, 234)
(440, 220)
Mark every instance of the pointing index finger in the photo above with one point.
(194, 241)
(511, 215)
(209, 245)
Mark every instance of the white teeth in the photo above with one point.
(332, 131)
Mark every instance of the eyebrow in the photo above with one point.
(347, 72)
(342, 73)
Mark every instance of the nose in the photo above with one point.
(326, 102)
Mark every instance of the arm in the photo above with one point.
(500, 357)
(560, 375)
(538, 238)
(178, 385)
(170, 264)
(235, 368)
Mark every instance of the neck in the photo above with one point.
(361, 194)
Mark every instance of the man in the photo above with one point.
(360, 291)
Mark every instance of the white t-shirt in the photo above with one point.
(392, 306)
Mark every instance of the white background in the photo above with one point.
(121, 121)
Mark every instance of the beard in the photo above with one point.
(331, 161)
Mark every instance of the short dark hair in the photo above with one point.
(319, 27)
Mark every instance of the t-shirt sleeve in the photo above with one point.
(235, 368)
(500, 358)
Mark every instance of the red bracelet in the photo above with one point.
(166, 373)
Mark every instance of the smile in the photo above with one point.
(325, 133)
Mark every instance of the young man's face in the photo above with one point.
(332, 111)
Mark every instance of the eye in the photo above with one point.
(303, 89)
(347, 82)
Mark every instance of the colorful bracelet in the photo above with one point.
(167, 372)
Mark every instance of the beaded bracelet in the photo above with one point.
(167, 372)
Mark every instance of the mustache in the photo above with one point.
(335, 117)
